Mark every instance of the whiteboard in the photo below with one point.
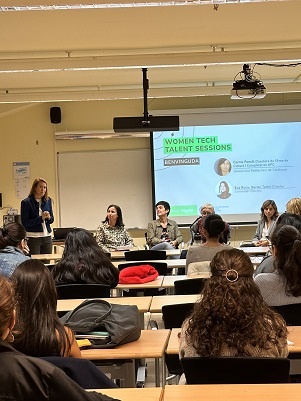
(88, 182)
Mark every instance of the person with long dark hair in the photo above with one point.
(223, 190)
(36, 216)
(283, 285)
(84, 262)
(231, 318)
(111, 233)
(25, 378)
(266, 224)
(13, 247)
(38, 330)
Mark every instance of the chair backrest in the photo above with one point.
(159, 266)
(290, 313)
(195, 268)
(74, 291)
(82, 371)
(145, 254)
(235, 370)
(174, 315)
(189, 286)
(62, 232)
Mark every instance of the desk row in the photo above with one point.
(225, 392)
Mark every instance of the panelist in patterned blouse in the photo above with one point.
(111, 233)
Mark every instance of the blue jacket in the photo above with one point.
(30, 214)
(10, 258)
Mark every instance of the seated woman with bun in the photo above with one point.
(213, 227)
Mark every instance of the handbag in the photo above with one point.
(93, 316)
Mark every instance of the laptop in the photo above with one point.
(60, 234)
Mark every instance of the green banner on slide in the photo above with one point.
(184, 210)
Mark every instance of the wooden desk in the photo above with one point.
(159, 301)
(130, 394)
(143, 304)
(171, 263)
(48, 256)
(120, 254)
(157, 283)
(234, 392)
(151, 344)
(255, 250)
(294, 335)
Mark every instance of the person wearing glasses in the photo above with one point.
(13, 248)
(197, 227)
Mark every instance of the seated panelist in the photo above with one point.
(197, 227)
(163, 233)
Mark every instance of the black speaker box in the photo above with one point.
(55, 115)
(154, 123)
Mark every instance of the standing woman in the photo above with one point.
(37, 215)
(112, 233)
(266, 224)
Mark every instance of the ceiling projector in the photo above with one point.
(248, 88)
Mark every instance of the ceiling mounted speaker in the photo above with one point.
(55, 115)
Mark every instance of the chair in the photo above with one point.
(290, 313)
(183, 255)
(161, 269)
(235, 370)
(74, 291)
(173, 316)
(82, 371)
(145, 254)
(189, 286)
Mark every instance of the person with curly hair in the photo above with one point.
(83, 262)
(231, 317)
(283, 285)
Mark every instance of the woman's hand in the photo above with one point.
(46, 215)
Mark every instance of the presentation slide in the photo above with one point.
(233, 167)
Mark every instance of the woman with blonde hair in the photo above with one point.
(294, 206)
(37, 215)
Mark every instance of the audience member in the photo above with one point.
(111, 233)
(13, 248)
(25, 378)
(38, 330)
(283, 285)
(37, 215)
(267, 264)
(163, 233)
(294, 206)
(84, 262)
(231, 317)
(266, 224)
(213, 227)
(197, 230)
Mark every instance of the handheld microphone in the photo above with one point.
(196, 220)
